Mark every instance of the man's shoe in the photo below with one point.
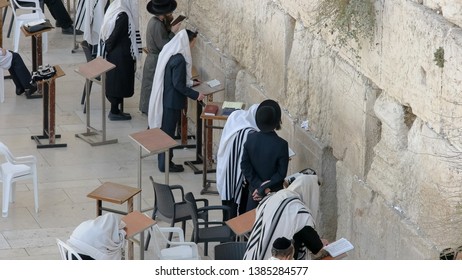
(174, 169)
(70, 31)
(19, 91)
(58, 24)
(119, 117)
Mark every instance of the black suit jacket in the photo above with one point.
(175, 88)
(265, 157)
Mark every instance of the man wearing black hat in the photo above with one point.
(266, 155)
(158, 33)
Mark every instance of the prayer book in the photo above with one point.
(233, 105)
(213, 83)
(291, 153)
(210, 110)
(339, 247)
(179, 19)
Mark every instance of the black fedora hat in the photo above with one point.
(161, 7)
(268, 115)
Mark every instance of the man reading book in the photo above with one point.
(286, 213)
(171, 86)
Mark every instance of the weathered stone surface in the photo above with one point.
(383, 128)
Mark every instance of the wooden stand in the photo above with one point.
(37, 54)
(208, 91)
(207, 163)
(90, 71)
(119, 194)
(49, 103)
(242, 224)
(136, 223)
(151, 141)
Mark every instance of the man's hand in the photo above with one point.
(196, 82)
(176, 27)
(3, 52)
(256, 196)
(201, 96)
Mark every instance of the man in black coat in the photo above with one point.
(266, 155)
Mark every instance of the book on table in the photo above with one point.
(339, 247)
(210, 110)
(230, 106)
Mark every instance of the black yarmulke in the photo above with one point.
(281, 243)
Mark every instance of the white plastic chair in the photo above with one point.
(15, 169)
(66, 251)
(177, 250)
(29, 14)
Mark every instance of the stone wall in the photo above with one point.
(382, 120)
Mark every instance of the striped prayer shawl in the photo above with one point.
(129, 7)
(281, 214)
(233, 175)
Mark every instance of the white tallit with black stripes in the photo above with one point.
(229, 175)
(130, 7)
(282, 214)
(89, 18)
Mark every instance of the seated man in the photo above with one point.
(100, 239)
(13, 62)
(283, 249)
(60, 14)
(286, 213)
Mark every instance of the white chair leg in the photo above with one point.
(12, 192)
(17, 33)
(34, 172)
(6, 196)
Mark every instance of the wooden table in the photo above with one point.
(37, 50)
(151, 141)
(207, 163)
(118, 194)
(242, 224)
(209, 92)
(49, 104)
(136, 223)
(114, 193)
(97, 67)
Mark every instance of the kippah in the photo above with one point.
(281, 243)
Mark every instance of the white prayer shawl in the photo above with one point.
(178, 44)
(229, 156)
(308, 189)
(130, 7)
(102, 238)
(89, 19)
(281, 214)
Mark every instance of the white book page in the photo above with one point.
(339, 247)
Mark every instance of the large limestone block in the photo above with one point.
(376, 228)
(450, 9)
(411, 35)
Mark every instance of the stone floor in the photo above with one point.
(67, 175)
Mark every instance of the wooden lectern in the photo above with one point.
(136, 223)
(208, 91)
(49, 103)
(119, 194)
(152, 141)
(37, 53)
(90, 71)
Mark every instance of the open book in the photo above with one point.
(339, 247)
